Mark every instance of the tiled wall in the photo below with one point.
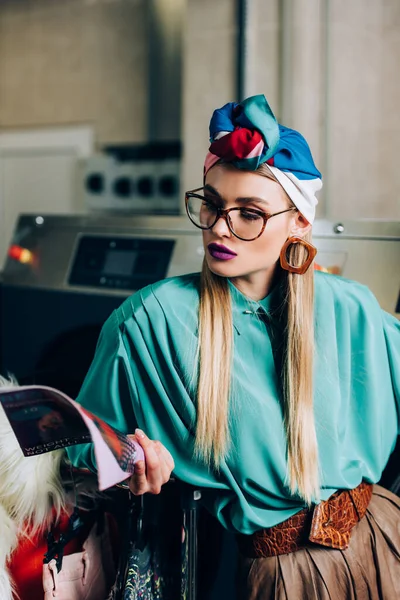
(75, 61)
(263, 51)
(296, 97)
(328, 67)
(210, 69)
(208, 77)
(363, 112)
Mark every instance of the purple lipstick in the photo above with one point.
(220, 252)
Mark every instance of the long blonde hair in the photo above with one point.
(215, 359)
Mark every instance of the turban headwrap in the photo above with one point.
(248, 135)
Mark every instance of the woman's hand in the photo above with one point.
(150, 476)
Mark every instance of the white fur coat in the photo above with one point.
(29, 489)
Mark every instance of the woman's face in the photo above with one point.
(230, 187)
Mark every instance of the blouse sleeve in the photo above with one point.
(391, 328)
(136, 380)
(108, 390)
(161, 355)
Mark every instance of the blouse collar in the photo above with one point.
(244, 307)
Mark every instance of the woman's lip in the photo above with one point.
(213, 247)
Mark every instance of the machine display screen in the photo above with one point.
(120, 262)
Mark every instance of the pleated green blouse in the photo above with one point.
(144, 375)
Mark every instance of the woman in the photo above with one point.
(274, 388)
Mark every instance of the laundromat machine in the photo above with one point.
(64, 275)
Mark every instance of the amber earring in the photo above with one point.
(311, 250)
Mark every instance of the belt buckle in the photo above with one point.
(333, 519)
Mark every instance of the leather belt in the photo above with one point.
(328, 524)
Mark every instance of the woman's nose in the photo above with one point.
(221, 227)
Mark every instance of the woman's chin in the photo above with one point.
(223, 268)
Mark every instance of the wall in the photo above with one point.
(208, 77)
(363, 115)
(166, 22)
(75, 62)
(329, 68)
(210, 69)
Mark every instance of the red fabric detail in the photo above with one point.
(270, 161)
(26, 563)
(237, 144)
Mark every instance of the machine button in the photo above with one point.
(168, 186)
(95, 183)
(145, 186)
(338, 228)
(123, 187)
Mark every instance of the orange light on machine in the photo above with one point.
(22, 255)
(334, 270)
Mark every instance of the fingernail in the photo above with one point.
(139, 433)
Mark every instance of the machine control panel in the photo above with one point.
(123, 263)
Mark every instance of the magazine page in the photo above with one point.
(45, 419)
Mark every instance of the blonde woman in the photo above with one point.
(272, 387)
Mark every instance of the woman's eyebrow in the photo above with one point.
(252, 199)
(209, 188)
(241, 200)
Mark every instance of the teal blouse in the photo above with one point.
(142, 375)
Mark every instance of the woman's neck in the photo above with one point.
(257, 285)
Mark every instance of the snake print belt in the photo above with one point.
(328, 524)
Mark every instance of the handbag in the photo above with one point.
(158, 557)
(84, 575)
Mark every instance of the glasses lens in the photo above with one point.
(247, 224)
(202, 212)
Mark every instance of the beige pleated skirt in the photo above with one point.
(369, 569)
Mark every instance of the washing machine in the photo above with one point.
(63, 277)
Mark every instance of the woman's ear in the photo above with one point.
(299, 226)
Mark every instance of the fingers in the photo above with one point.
(167, 462)
(151, 475)
(153, 463)
(138, 481)
(165, 471)
(166, 455)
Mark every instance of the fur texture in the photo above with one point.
(29, 489)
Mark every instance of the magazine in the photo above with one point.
(45, 419)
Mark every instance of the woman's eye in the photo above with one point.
(249, 215)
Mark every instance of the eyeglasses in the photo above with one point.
(247, 224)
